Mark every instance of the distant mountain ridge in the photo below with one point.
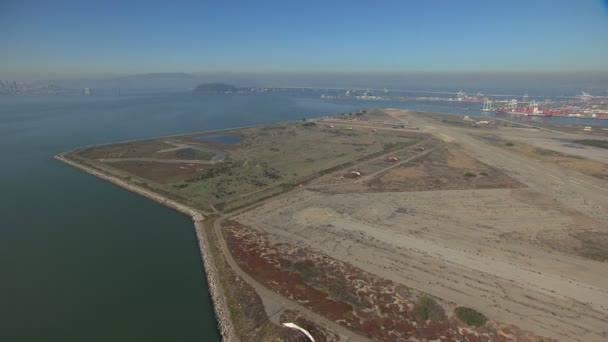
(141, 81)
(552, 83)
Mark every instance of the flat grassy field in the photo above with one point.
(267, 159)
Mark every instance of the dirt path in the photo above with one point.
(156, 160)
(575, 190)
(372, 175)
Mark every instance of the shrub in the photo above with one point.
(470, 174)
(593, 142)
(309, 123)
(305, 268)
(509, 144)
(470, 317)
(427, 309)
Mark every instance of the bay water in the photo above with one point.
(83, 260)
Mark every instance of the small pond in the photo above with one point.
(225, 139)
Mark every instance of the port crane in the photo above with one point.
(487, 106)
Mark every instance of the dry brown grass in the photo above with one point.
(460, 160)
(587, 166)
(446, 168)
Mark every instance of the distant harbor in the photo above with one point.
(583, 106)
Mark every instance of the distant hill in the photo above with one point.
(215, 88)
(139, 81)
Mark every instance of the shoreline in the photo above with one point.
(224, 325)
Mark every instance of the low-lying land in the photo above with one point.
(265, 161)
(385, 225)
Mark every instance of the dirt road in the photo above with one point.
(575, 190)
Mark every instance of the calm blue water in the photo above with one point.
(83, 260)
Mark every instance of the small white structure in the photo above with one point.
(483, 122)
(392, 159)
(587, 128)
(300, 329)
(356, 173)
(461, 95)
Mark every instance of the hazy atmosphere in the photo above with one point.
(45, 40)
(304, 171)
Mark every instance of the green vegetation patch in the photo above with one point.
(133, 149)
(593, 142)
(428, 309)
(470, 175)
(305, 268)
(509, 144)
(470, 317)
(229, 178)
(269, 160)
(341, 293)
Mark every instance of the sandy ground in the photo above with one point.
(509, 253)
(469, 247)
(556, 142)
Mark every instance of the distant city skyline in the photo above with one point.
(71, 39)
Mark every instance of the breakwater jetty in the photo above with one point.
(209, 266)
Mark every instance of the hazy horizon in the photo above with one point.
(74, 39)
(561, 83)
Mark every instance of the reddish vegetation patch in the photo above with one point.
(362, 302)
(289, 284)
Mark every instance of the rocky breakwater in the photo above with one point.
(217, 297)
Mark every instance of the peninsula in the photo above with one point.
(385, 224)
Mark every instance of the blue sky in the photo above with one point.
(63, 38)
